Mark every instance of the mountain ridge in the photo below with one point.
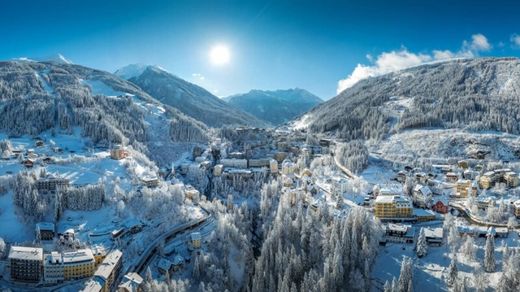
(275, 106)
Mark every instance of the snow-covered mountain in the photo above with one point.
(59, 97)
(275, 107)
(469, 94)
(188, 98)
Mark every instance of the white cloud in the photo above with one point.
(392, 61)
(515, 40)
(479, 43)
(198, 76)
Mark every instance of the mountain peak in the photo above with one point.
(134, 70)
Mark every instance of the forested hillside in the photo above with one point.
(471, 94)
(40, 96)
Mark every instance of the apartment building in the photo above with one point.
(392, 207)
(25, 263)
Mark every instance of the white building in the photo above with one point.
(236, 163)
(53, 269)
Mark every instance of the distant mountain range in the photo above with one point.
(276, 107)
(187, 97)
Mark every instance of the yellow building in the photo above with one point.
(78, 264)
(463, 186)
(106, 274)
(392, 207)
(487, 180)
(99, 253)
(196, 240)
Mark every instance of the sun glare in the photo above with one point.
(220, 55)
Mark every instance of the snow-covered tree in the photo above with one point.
(453, 272)
(421, 247)
(468, 248)
(405, 282)
(489, 255)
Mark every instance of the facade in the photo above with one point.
(25, 263)
(273, 166)
(433, 236)
(452, 177)
(99, 253)
(53, 269)
(109, 270)
(78, 264)
(195, 239)
(150, 181)
(45, 231)
(392, 207)
(288, 167)
(487, 180)
(511, 179)
(422, 196)
(118, 152)
(50, 183)
(516, 205)
(440, 207)
(236, 163)
(218, 169)
(399, 233)
(463, 187)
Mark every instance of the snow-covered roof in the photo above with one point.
(45, 226)
(164, 264)
(78, 256)
(26, 253)
(391, 199)
(109, 263)
(433, 232)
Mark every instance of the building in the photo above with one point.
(452, 177)
(235, 163)
(178, 262)
(399, 233)
(392, 207)
(516, 205)
(195, 239)
(218, 169)
(463, 164)
(263, 162)
(109, 269)
(288, 167)
(45, 231)
(25, 263)
(401, 176)
(192, 193)
(422, 196)
(463, 187)
(150, 181)
(273, 166)
(164, 265)
(28, 163)
(53, 268)
(50, 183)
(440, 207)
(78, 264)
(99, 253)
(131, 282)
(434, 236)
(487, 180)
(118, 152)
(511, 179)
(423, 215)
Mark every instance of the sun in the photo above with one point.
(220, 55)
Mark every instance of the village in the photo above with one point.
(411, 203)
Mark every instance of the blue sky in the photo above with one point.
(273, 44)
